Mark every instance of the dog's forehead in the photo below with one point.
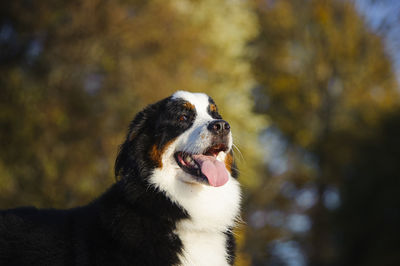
(199, 100)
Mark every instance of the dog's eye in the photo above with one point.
(183, 118)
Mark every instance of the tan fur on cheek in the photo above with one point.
(213, 108)
(229, 162)
(188, 105)
(156, 154)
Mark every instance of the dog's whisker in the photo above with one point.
(236, 147)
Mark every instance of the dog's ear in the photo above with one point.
(136, 126)
(139, 123)
(128, 156)
(141, 131)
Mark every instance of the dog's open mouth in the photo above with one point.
(205, 167)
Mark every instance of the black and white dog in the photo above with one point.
(175, 202)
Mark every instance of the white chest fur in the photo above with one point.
(211, 210)
(202, 248)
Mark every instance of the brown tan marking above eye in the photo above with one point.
(213, 108)
(188, 105)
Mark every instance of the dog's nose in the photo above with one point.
(219, 127)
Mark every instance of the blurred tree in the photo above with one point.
(325, 82)
(73, 73)
(368, 218)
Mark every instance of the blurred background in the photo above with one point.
(310, 87)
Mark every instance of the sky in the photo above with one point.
(383, 16)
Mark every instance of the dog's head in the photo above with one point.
(183, 134)
(182, 147)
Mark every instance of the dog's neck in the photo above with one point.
(211, 215)
(209, 208)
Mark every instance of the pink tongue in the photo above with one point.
(213, 169)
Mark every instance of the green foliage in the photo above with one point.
(368, 219)
(65, 107)
(325, 83)
(320, 68)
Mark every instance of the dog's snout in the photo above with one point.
(219, 127)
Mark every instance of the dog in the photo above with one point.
(175, 202)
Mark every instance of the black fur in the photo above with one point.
(230, 246)
(130, 224)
